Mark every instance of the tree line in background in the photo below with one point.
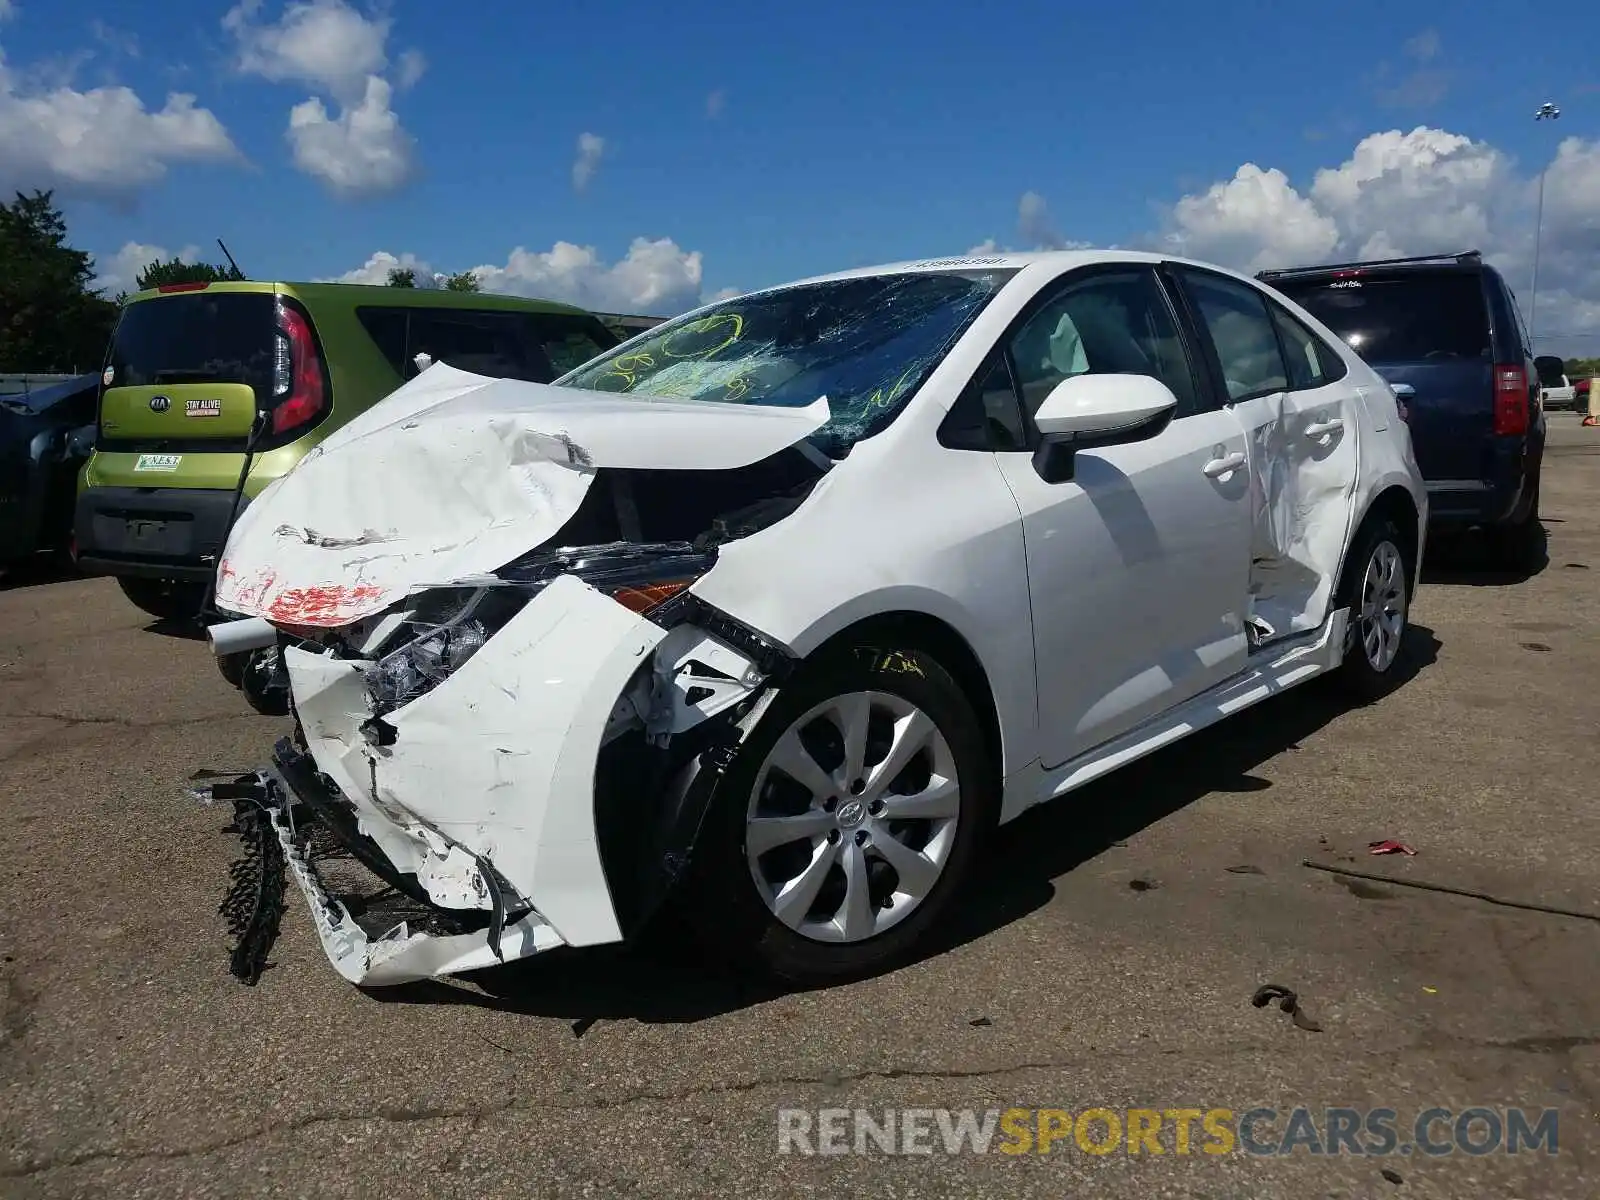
(52, 320)
(461, 281)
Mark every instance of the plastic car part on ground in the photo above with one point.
(456, 474)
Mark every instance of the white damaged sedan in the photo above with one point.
(787, 603)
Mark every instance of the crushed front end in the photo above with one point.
(523, 758)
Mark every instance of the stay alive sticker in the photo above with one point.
(202, 408)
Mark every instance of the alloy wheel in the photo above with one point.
(1382, 622)
(852, 817)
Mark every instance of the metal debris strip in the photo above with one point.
(253, 906)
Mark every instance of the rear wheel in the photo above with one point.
(1515, 545)
(164, 599)
(847, 823)
(1376, 589)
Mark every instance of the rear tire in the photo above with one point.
(164, 599)
(881, 859)
(1376, 588)
(1515, 546)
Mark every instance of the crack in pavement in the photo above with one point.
(477, 1114)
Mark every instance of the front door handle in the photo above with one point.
(1321, 429)
(1226, 465)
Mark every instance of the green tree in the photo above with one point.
(50, 318)
(402, 277)
(462, 281)
(1582, 368)
(158, 273)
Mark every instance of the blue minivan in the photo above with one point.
(1445, 331)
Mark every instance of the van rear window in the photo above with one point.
(1402, 318)
(196, 337)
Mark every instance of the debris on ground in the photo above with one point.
(1288, 1002)
(980, 1022)
(1143, 885)
(1245, 869)
(1391, 1175)
(253, 907)
(1390, 846)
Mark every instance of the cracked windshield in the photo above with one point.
(865, 343)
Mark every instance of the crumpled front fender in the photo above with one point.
(498, 759)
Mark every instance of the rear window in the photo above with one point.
(196, 337)
(1410, 318)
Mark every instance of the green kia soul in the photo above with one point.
(193, 368)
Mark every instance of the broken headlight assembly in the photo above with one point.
(446, 626)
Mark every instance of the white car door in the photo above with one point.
(1138, 565)
(1303, 418)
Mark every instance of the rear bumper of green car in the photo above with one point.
(156, 533)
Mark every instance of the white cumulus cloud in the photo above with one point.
(358, 147)
(376, 269)
(103, 142)
(1252, 221)
(590, 149)
(324, 43)
(1425, 191)
(656, 277)
(363, 151)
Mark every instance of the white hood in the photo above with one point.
(455, 474)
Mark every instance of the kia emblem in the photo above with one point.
(160, 403)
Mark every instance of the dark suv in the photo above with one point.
(1446, 333)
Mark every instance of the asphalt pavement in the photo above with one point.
(1107, 961)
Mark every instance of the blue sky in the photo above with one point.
(778, 141)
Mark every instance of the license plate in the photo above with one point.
(158, 462)
(143, 533)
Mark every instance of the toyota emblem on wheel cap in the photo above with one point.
(160, 403)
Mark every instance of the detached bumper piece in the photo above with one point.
(289, 822)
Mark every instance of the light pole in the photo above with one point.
(1546, 112)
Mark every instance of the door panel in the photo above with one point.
(1138, 565)
(1302, 418)
(1138, 569)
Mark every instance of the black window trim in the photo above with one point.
(1276, 310)
(1213, 358)
(1205, 392)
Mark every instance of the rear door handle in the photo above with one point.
(1403, 390)
(1321, 429)
(1226, 465)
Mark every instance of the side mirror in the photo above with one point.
(1085, 411)
(1098, 406)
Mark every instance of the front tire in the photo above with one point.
(1377, 590)
(839, 839)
